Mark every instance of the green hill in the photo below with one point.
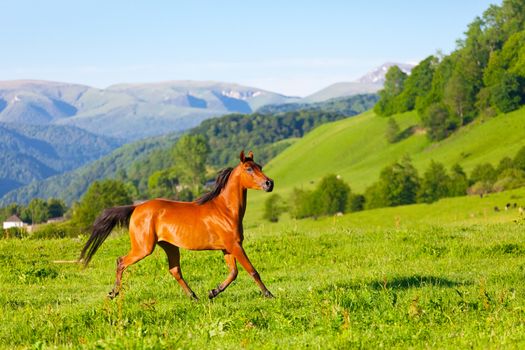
(357, 150)
(36, 152)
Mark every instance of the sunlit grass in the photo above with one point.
(431, 276)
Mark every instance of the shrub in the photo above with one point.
(435, 183)
(480, 188)
(483, 173)
(356, 202)
(300, 204)
(398, 185)
(458, 182)
(330, 196)
(55, 230)
(509, 179)
(15, 232)
(273, 208)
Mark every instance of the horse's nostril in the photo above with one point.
(268, 183)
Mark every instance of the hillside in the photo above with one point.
(348, 105)
(357, 150)
(71, 185)
(128, 111)
(266, 134)
(31, 152)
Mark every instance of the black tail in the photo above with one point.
(102, 228)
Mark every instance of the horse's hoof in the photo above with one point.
(194, 297)
(213, 293)
(268, 295)
(112, 294)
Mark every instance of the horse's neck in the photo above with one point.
(234, 197)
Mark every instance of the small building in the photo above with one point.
(13, 221)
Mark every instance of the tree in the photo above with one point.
(273, 207)
(375, 196)
(509, 179)
(417, 84)
(300, 204)
(100, 195)
(330, 196)
(438, 121)
(458, 181)
(483, 173)
(504, 164)
(190, 153)
(56, 207)
(163, 183)
(435, 183)
(519, 159)
(392, 130)
(394, 82)
(398, 185)
(36, 212)
(508, 94)
(356, 202)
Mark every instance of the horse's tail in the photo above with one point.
(102, 227)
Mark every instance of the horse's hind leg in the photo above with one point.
(137, 253)
(174, 265)
(232, 265)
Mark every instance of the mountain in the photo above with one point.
(71, 185)
(377, 76)
(267, 134)
(35, 152)
(128, 111)
(369, 83)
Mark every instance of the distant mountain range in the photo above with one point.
(48, 128)
(128, 111)
(135, 111)
(35, 152)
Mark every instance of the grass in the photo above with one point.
(446, 275)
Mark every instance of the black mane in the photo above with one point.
(220, 183)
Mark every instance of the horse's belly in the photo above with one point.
(191, 240)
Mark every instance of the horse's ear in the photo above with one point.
(250, 155)
(243, 158)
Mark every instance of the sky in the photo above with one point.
(291, 47)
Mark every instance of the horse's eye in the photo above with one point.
(250, 170)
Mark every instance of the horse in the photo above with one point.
(211, 222)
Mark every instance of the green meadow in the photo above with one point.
(444, 275)
(356, 149)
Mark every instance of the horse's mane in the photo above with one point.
(220, 183)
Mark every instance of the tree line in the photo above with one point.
(399, 184)
(484, 76)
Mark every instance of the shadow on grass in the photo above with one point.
(406, 133)
(416, 281)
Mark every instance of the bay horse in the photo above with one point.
(212, 222)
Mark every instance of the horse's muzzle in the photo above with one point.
(268, 185)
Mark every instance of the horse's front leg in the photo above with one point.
(232, 266)
(239, 253)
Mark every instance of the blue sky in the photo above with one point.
(291, 47)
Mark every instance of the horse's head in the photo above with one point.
(251, 174)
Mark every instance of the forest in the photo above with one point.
(483, 77)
